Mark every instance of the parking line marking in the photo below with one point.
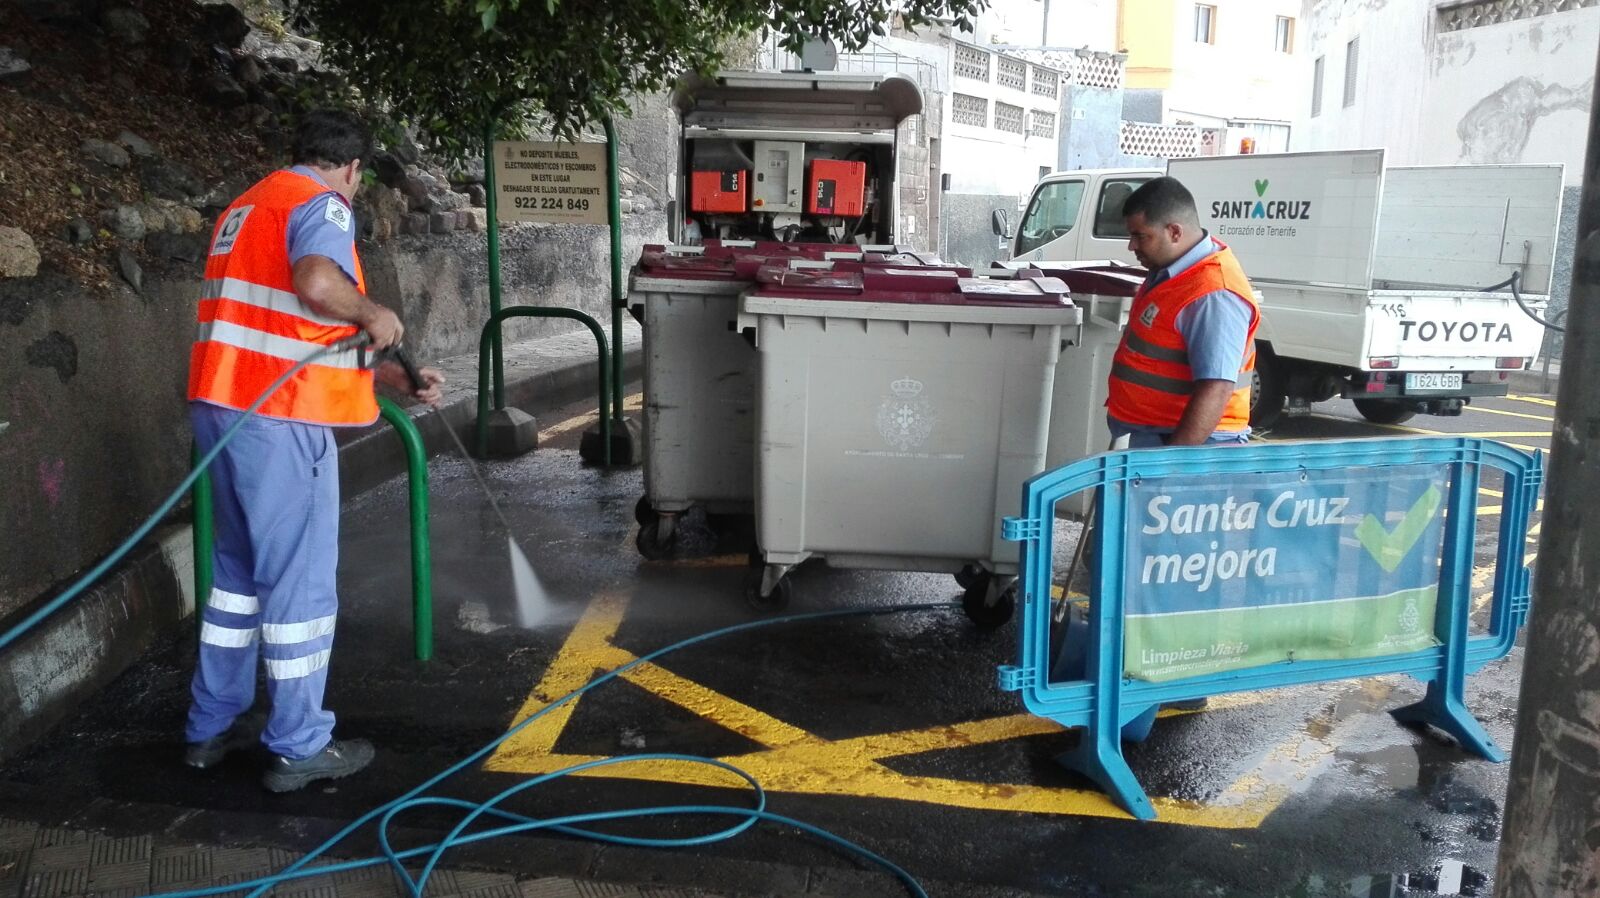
(707, 703)
(587, 649)
(1510, 414)
(798, 761)
(1534, 399)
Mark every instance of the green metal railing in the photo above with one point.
(421, 558)
(619, 296)
(491, 337)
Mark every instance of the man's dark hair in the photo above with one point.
(1163, 201)
(331, 138)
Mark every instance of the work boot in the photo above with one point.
(244, 732)
(336, 760)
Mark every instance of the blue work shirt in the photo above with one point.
(1215, 328)
(323, 226)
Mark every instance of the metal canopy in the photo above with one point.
(797, 101)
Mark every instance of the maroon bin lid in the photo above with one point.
(908, 285)
(1105, 280)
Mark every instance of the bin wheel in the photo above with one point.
(777, 600)
(652, 544)
(1385, 411)
(643, 512)
(969, 575)
(988, 613)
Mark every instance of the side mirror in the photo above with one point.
(1000, 223)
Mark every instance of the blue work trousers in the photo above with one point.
(276, 489)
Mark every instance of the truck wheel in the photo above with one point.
(1267, 393)
(1385, 411)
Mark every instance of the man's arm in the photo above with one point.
(1216, 328)
(324, 286)
(1204, 411)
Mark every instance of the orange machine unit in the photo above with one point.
(718, 191)
(837, 187)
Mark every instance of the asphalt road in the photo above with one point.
(886, 729)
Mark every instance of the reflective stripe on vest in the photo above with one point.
(1151, 380)
(253, 327)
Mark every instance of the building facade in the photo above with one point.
(1463, 81)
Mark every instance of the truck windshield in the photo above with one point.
(1051, 215)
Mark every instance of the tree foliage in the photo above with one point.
(449, 67)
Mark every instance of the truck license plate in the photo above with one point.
(1432, 381)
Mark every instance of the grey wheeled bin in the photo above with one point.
(900, 412)
(699, 375)
(699, 388)
(1078, 411)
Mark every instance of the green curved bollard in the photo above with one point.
(491, 332)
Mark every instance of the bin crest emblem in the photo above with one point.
(906, 417)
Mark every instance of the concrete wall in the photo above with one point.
(1144, 105)
(92, 380)
(1091, 131)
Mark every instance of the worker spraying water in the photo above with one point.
(283, 281)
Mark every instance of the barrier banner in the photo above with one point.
(1229, 573)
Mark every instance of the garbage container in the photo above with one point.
(1078, 410)
(699, 387)
(899, 413)
(699, 375)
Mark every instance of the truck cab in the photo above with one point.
(1076, 215)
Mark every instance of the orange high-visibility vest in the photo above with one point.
(1150, 376)
(254, 327)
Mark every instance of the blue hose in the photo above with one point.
(515, 823)
(569, 825)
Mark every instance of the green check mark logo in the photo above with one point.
(1390, 547)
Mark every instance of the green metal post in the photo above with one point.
(205, 534)
(618, 300)
(492, 328)
(421, 562)
(494, 262)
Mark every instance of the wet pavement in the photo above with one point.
(885, 729)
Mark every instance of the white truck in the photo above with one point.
(1391, 287)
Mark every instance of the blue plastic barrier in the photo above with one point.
(1109, 698)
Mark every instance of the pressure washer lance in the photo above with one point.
(533, 602)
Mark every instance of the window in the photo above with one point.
(971, 62)
(1205, 24)
(1041, 123)
(1051, 215)
(1012, 73)
(967, 110)
(1008, 117)
(1316, 86)
(1352, 58)
(1109, 223)
(1284, 42)
(1045, 82)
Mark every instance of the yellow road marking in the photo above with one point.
(1534, 399)
(795, 760)
(1485, 511)
(1509, 414)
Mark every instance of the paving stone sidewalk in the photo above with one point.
(42, 862)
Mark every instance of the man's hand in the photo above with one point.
(382, 325)
(393, 374)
